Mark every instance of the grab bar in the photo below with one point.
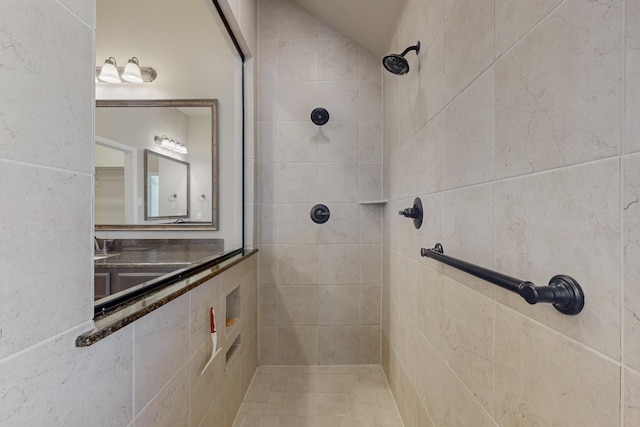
(563, 291)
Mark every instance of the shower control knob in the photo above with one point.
(414, 212)
(320, 214)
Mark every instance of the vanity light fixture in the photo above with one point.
(109, 71)
(170, 144)
(131, 73)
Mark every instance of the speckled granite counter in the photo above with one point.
(151, 252)
(109, 322)
(153, 257)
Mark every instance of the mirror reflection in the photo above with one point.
(176, 178)
(166, 187)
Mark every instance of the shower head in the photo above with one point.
(397, 64)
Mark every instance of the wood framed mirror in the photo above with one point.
(125, 129)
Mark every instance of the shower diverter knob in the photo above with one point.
(320, 214)
(414, 212)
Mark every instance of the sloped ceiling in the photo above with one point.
(370, 23)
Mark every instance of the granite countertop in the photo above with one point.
(154, 257)
(148, 252)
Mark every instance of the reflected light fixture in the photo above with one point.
(131, 73)
(170, 144)
(109, 72)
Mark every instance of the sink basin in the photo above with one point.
(96, 257)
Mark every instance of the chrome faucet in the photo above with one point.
(105, 245)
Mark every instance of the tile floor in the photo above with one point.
(318, 396)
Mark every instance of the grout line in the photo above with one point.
(47, 167)
(621, 192)
(539, 23)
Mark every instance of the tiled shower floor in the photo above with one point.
(318, 396)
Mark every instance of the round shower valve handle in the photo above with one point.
(414, 212)
(320, 214)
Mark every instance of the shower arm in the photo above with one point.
(409, 49)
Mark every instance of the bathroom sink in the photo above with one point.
(96, 257)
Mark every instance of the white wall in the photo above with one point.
(517, 127)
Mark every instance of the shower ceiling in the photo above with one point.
(369, 23)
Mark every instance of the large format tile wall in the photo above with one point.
(518, 127)
(319, 284)
(146, 374)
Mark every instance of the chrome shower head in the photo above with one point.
(397, 64)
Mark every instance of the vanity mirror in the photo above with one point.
(165, 188)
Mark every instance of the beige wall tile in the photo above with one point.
(403, 185)
(296, 182)
(430, 149)
(468, 44)
(369, 66)
(44, 384)
(202, 299)
(37, 68)
(431, 92)
(293, 22)
(632, 78)
(369, 224)
(631, 396)
(154, 361)
(370, 106)
(294, 224)
(370, 182)
(370, 137)
(338, 60)
(369, 351)
(342, 226)
(548, 223)
(296, 142)
(66, 221)
(291, 101)
(339, 305)
(268, 352)
(468, 231)
(561, 105)
(267, 60)
(631, 277)
(431, 309)
(205, 388)
(338, 142)
(170, 407)
(268, 305)
(297, 264)
(298, 305)
(298, 345)
(514, 19)
(468, 135)
(338, 182)
(546, 379)
(338, 345)
(468, 339)
(340, 98)
(338, 265)
(370, 264)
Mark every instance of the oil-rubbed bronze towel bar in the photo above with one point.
(563, 291)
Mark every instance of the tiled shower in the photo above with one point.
(319, 284)
(516, 127)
